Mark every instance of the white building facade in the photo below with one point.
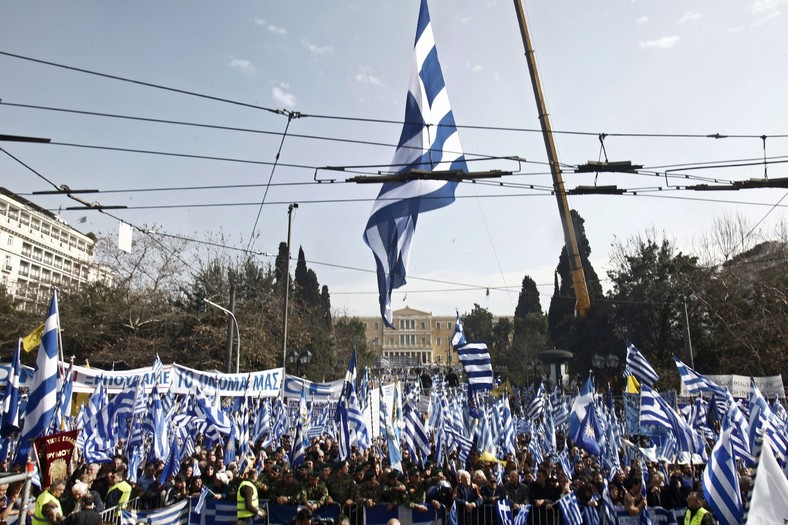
(39, 250)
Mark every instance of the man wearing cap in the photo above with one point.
(393, 491)
(315, 494)
(287, 490)
(340, 485)
(368, 493)
(247, 504)
(416, 493)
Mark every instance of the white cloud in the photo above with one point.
(661, 43)
(765, 10)
(464, 20)
(366, 78)
(318, 50)
(243, 65)
(642, 20)
(477, 68)
(281, 96)
(270, 27)
(690, 16)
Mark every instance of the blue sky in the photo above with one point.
(616, 67)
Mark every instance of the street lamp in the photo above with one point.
(298, 358)
(237, 332)
(606, 363)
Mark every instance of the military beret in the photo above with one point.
(340, 464)
(413, 471)
(368, 475)
(314, 474)
(392, 475)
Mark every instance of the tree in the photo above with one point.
(478, 324)
(528, 301)
(650, 279)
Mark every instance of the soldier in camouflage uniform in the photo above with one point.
(315, 494)
(340, 485)
(287, 490)
(416, 493)
(394, 492)
(369, 492)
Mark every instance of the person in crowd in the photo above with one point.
(466, 495)
(634, 502)
(287, 490)
(120, 490)
(491, 491)
(247, 502)
(416, 490)
(696, 513)
(49, 497)
(315, 494)
(340, 485)
(369, 492)
(516, 492)
(87, 515)
(394, 491)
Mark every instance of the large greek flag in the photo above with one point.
(429, 141)
(638, 366)
(42, 399)
(721, 479)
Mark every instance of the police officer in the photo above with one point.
(247, 504)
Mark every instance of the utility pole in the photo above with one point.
(228, 357)
(687, 337)
(287, 288)
(582, 301)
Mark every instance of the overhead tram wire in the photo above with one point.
(715, 136)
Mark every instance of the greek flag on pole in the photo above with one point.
(42, 398)
(721, 479)
(475, 359)
(10, 421)
(695, 382)
(458, 339)
(429, 141)
(638, 366)
(570, 509)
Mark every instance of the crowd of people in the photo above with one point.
(365, 480)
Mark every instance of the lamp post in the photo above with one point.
(286, 290)
(606, 363)
(298, 358)
(237, 333)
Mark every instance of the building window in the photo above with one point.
(438, 325)
(10, 241)
(423, 341)
(438, 341)
(423, 325)
(377, 326)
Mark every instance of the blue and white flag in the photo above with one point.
(570, 509)
(696, 383)
(579, 407)
(721, 479)
(504, 512)
(655, 411)
(10, 421)
(42, 399)
(429, 141)
(638, 366)
(458, 339)
(476, 361)
(177, 514)
(590, 436)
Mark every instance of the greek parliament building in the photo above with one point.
(420, 339)
(39, 250)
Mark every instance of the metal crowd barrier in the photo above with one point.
(488, 515)
(112, 514)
